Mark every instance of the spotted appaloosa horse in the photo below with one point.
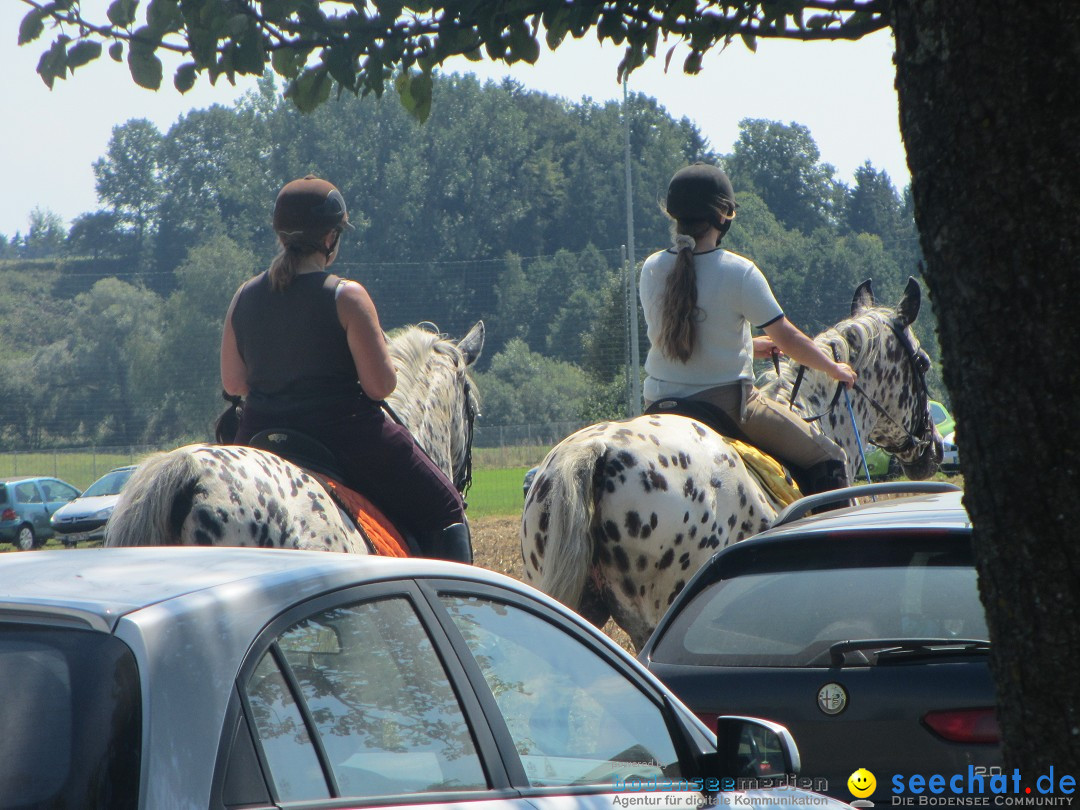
(621, 514)
(226, 495)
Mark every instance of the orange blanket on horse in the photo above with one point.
(382, 536)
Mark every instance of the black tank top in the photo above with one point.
(293, 344)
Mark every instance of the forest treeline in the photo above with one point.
(507, 205)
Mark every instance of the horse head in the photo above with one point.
(435, 398)
(905, 426)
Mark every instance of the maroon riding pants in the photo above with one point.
(380, 459)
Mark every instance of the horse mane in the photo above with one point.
(856, 340)
(414, 347)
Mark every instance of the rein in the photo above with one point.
(919, 369)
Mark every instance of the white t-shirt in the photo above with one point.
(732, 296)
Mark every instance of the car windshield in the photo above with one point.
(73, 707)
(937, 413)
(790, 617)
(109, 484)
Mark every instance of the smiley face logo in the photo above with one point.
(861, 783)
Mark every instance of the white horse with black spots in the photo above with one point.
(228, 495)
(621, 514)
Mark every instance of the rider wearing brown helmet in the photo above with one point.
(306, 351)
(700, 304)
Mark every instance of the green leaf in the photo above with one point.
(310, 89)
(692, 64)
(184, 78)
(82, 52)
(31, 26)
(475, 55)
(163, 16)
(288, 62)
(523, 45)
(53, 63)
(750, 41)
(116, 51)
(121, 13)
(145, 67)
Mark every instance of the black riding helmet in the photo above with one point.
(310, 207)
(697, 192)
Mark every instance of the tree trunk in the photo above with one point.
(990, 114)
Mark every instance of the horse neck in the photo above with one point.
(816, 396)
(418, 403)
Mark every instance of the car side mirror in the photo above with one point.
(749, 747)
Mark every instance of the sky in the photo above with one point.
(843, 92)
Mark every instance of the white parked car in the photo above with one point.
(221, 678)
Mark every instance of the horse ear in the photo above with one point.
(472, 344)
(863, 298)
(908, 308)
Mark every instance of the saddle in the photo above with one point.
(382, 536)
(769, 472)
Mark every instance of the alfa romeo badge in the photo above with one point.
(832, 698)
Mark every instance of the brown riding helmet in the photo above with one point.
(310, 206)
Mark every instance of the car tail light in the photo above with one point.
(8, 514)
(965, 725)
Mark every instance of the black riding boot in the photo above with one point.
(452, 543)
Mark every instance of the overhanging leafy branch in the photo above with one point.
(360, 45)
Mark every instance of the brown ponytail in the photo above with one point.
(678, 308)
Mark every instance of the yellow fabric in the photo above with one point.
(769, 472)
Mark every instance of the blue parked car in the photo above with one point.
(26, 504)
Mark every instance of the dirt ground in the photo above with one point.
(496, 546)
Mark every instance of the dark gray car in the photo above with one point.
(859, 629)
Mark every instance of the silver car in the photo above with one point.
(85, 517)
(217, 678)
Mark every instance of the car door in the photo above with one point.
(355, 700)
(579, 726)
(54, 495)
(391, 695)
(32, 507)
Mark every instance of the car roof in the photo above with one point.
(95, 587)
(15, 479)
(941, 510)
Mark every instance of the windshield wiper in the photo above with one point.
(906, 648)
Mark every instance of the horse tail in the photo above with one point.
(155, 501)
(569, 498)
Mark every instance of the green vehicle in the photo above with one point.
(885, 465)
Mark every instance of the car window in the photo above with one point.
(791, 617)
(26, 492)
(58, 491)
(109, 484)
(937, 413)
(574, 718)
(3, 494)
(380, 705)
(73, 715)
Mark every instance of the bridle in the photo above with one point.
(463, 476)
(920, 436)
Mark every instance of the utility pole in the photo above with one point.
(635, 360)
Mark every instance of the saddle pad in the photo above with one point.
(768, 471)
(375, 526)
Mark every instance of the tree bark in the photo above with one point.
(990, 114)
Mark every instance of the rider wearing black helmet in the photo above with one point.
(700, 303)
(306, 351)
